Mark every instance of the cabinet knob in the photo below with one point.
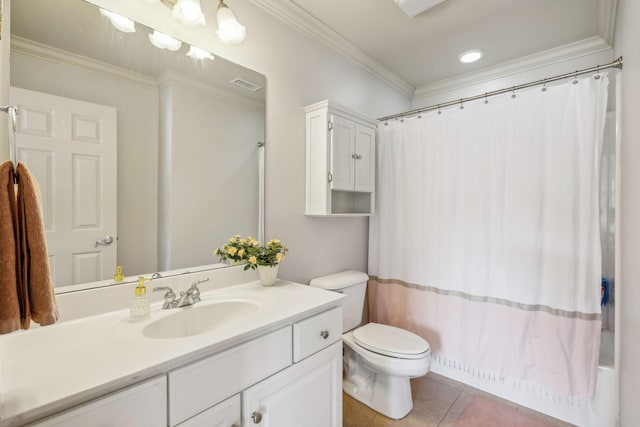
(324, 334)
(256, 417)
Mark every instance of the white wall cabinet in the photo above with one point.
(340, 164)
(141, 405)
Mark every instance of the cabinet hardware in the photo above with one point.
(256, 417)
(324, 334)
(329, 125)
(329, 176)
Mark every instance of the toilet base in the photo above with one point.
(390, 396)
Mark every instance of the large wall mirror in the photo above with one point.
(159, 150)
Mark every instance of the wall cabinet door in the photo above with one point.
(142, 405)
(343, 145)
(306, 394)
(365, 151)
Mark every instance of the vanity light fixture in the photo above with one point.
(230, 31)
(470, 56)
(188, 12)
(163, 41)
(123, 24)
(197, 53)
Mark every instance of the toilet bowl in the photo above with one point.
(379, 360)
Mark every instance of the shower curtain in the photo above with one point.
(487, 239)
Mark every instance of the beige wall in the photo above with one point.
(4, 77)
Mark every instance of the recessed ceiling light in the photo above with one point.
(470, 56)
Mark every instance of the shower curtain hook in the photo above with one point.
(513, 92)
(544, 85)
(486, 100)
(461, 105)
(597, 76)
(439, 112)
(575, 78)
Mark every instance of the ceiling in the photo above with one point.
(422, 50)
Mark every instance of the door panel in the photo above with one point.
(70, 147)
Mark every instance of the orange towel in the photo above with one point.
(34, 261)
(9, 306)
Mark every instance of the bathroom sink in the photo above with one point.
(200, 319)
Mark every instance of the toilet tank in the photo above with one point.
(351, 283)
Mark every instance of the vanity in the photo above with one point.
(245, 355)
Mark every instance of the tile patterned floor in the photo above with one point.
(438, 402)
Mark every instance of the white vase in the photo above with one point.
(268, 275)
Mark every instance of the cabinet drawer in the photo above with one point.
(202, 384)
(143, 405)
(315, 333)
(224, 414)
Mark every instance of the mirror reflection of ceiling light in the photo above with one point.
(230, 31)
(123, 24)
(163, 41)
(188, 12)
(470, 56)
(197, 53)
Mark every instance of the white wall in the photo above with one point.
(137, 106)
(5, 48)
(299, 71)
(628, 286)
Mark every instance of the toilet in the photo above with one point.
(379, 360)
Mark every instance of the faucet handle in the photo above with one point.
(194, 291)
(169, 296)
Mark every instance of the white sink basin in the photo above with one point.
(201, 318)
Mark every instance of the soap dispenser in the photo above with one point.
(140, 308)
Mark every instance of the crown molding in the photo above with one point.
(171, 78)
(301, 20)
(607, 20)
(556, 55)
(59, 56)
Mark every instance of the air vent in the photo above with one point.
(245, 84)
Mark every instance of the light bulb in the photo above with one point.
(470, 56)
(230, 31)
(197, 53)
(163, 41)
(188, 12)
(123, 24)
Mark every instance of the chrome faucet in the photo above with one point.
(169, 297)
(192, 295)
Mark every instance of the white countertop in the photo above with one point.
(45, 370)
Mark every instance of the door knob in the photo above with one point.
(324, 334)
(104, 242)
(256, 417)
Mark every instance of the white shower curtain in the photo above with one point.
(487, 236)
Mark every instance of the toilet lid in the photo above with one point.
(391, 341)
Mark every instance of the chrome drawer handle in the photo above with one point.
(324, 334)
(256, 417)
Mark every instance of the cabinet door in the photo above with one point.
(307, 394)
(142, 405)
(365, 150)
(224, 414)
(343, 144)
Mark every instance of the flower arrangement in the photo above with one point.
(236, 249)
(269, 255)
(249, 250)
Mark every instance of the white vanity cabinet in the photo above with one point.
(141, 405)
(340, 162)
(224, 414)
(307, 394)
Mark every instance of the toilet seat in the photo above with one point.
(391, 341)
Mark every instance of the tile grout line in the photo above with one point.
(450, 406)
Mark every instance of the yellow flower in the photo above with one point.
(274, 242)
(253, 259)
(232, 239)
(232, 251)
(241, 253)
(280, 256)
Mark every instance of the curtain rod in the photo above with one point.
(614, 64)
